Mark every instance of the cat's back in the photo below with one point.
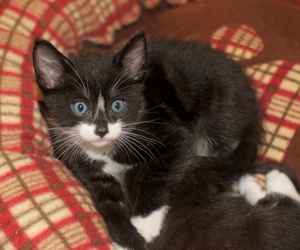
(193, 66)
(190, 55)
(197, 72)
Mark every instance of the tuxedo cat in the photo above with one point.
(129, 125)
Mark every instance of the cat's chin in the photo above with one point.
(99, 147)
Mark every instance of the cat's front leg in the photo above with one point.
(110, 202)
(149, 193)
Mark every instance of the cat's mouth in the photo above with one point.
(98, 146)
(101, 142)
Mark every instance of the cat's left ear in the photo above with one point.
(132, 57)
(49, 64)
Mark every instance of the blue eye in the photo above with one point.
(80, 108)
(118, 106)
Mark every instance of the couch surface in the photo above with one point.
(42, 206)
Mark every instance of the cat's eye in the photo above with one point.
(80, 108)
(118, 106)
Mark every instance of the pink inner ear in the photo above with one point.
(49, 66)
(134, 59)
(53, 78)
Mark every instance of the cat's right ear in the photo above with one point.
(132, 57)
(49, 64)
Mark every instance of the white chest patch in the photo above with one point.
(111, 167)
(149, 227)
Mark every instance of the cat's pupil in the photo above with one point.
(80, 108)
(118, 106)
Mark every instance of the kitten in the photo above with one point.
(129, 124)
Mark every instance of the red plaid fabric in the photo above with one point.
(278, 87)
(239, 43)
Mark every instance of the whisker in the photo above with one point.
(144, 122)
(86, 81)
(118, 81)
(124, 143)
(75, 83)
(149, 140)
(75, 71)
(141, 146)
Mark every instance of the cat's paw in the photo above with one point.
(252, 187)
(278, 182)
(149, 227)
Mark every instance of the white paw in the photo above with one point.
(149, 227)
(249, 187)
(278, 182)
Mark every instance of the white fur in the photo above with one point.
(113, 168)
(252, 191)
(276, 182)
(149, 227)
(96, 143)
(100, 105)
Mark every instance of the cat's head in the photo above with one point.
(92, 100)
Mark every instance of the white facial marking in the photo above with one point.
(278, 182)
(100, 105)
(87, 133)
(149, 227)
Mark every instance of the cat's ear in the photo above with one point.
(132, 57)
(49, 64)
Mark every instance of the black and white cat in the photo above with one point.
(129, 125)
